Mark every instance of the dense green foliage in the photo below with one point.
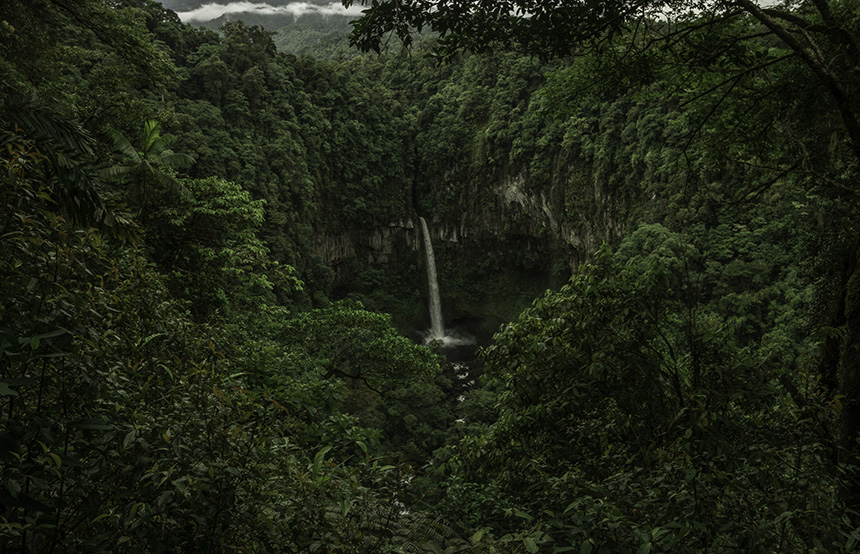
(205, 244)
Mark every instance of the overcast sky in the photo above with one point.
(208, 12)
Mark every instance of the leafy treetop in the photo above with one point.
(821, 34)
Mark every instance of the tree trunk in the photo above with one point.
(849, 388)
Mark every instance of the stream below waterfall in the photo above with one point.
(457, 346)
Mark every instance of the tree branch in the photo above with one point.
(821, 70)
(799, 21)
(334, 371)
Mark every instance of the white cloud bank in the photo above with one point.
(208, 12)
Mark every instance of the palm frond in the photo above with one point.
(45, 122)
(116, 172)
(166, 140)
(151, 140)
(175, 160)
(66, 146)
(123, 145)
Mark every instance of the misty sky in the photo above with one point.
(208, 12)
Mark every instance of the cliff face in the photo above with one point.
(366, 247)
(501, 240)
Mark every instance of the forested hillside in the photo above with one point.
(213, 285)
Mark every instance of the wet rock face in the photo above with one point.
(375, 246)
(501, 240)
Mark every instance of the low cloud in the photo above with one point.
(208, 12)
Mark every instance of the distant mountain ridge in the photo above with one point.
(314, 27)
(187, 5)
(271, 14)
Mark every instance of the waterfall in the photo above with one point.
(437, 330)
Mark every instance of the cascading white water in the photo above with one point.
(437, 330)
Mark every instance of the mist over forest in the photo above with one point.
(196, 12)
(545, 277)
